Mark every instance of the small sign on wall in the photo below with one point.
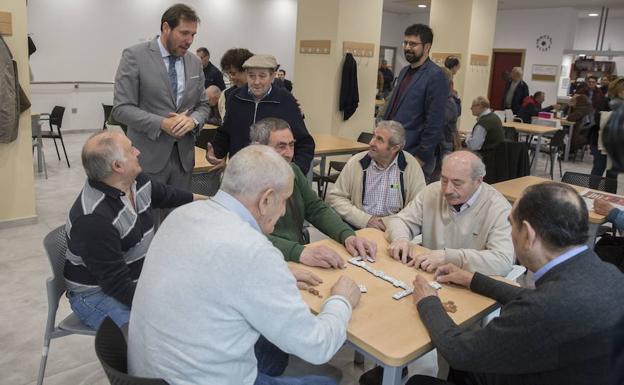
(320, 47)
(544, 72)
(479, 60)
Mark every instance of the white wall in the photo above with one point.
(521, 28)
(587, 31)
(83, 40)
(392, 27)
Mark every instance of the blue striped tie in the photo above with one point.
(173, 77)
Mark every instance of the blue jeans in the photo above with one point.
(272, 362)
(92, 307)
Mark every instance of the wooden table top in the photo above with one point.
(513, 188)
(531, 128)
(201, 164)
(388, 329)
(327, 144)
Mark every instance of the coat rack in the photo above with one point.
(358, 49)
(319, 47)
(6, 26)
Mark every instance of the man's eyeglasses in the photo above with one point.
(411, 44)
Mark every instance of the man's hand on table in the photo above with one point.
(422, 289)
(602, 207)
(429, 261)
(321, 256)
(376, 223)
(305, 279)
(345, 287)
(359, 246)
(450, 273)
(400, 249)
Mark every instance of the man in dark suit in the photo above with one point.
(418, 100)
(159, 95)
(557, 333)
(212, 74)
(281, 77)
(515, 91)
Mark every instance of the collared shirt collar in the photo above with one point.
(229, 202)
(560, 259)
(376, 165)
(263, 96)
(487, 111)
(163, 51)
(108, 189)
(470, 201)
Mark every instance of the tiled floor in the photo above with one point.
(24, 269)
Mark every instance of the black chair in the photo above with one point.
(509, 160)
(56, 119)
(107, 112)
(554, 149)
(590, 181)
(112, 352)
(206, 183)
(364, 137)
(510, 134)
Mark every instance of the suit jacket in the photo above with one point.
(557, 333)
(421, 111)
(143, 97)
(521, 92)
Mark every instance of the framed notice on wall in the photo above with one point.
(544, 72)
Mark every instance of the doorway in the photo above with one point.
(502, 62)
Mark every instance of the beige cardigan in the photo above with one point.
(346, 195)
(477, 239)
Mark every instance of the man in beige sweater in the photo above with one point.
(379, 182)
(462, 220)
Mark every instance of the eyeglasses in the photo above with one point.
(411, 44)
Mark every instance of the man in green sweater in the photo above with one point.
(304, 204)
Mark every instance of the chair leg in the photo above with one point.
(44, 360)
(552, 165)
(358, 358)
(65, 151)
(325, 187)
(58, 154)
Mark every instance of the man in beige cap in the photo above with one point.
(254, 102)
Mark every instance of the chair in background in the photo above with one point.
(55, 118)
(112, 352)
(364, 137)
(107, 112)
(510, 134)
(554, 149)
(37, 143)
(591, 181)
(55, 244)
(205, 183)
(509, 160)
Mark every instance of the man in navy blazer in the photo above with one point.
(418, 100)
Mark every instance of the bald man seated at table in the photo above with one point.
(462, 220)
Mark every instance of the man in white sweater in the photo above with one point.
(212, 283)
(462, 220)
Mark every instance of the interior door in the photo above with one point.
(502, 63)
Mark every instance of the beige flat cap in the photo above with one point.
(261, 61)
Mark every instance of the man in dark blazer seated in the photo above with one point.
(557, 333)
(159, 95)
(418, 100)
(515, 91)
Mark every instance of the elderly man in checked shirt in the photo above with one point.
(379, 182)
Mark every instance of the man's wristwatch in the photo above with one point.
(196, 122)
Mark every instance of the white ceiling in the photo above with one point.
(616, 7)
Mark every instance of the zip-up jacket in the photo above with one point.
(242, 110)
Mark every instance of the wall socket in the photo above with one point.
(74, 110)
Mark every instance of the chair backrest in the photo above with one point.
(56, 116)
(112, 352)
(365, 137)
(55, 245)
(107, 111)
(205, 183)
(510, 133)
(591, 181)
(557, 139)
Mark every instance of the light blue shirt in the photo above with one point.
(560, 259)
(233, 204)
(179, 67)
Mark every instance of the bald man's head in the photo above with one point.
(108, 152)
(213, 93)
(462, 174)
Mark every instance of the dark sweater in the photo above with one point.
(241, 111)
(107, 241)
(286, 235)
(558, 333)
(494, 128)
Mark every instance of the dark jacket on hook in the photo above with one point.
(349, 95)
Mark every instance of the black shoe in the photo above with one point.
(375, 376)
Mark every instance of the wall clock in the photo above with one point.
(543, 43)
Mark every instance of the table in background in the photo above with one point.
(512, 190)
(331, 145)
(388, 331)
(532, 129)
